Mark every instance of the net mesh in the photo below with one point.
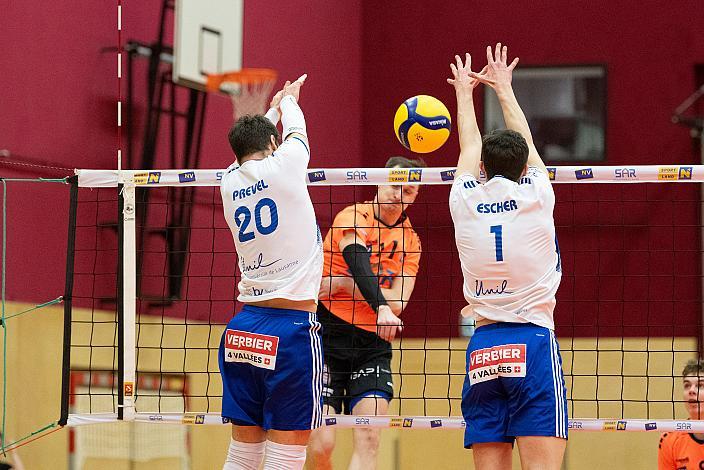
(628, 313)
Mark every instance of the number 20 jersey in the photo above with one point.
(271, 216)
(505, 234)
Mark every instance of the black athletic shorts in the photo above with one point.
(357, 363)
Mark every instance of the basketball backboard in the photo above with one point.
(207, 39)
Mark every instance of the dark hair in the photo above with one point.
(403, 162)
(251, 133)
(505, 153)
(694, 367)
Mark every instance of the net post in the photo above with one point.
(127, 298)
(68, 301)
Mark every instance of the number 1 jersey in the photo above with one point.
(271, 216)
(505, 235)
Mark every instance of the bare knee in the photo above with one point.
(322, 443)
(367, 441)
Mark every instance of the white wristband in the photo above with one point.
(273, 115)
(292, 118)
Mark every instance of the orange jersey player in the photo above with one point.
(371, 257)
(679, 450)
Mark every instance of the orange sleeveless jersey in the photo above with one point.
(680, 451)
(394, 250)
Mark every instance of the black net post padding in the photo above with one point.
(120, 304)
(68, 301)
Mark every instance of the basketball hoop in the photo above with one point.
(249, 89)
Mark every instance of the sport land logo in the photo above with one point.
(251, 348)
(505, 360)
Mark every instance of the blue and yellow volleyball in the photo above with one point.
(422, 124)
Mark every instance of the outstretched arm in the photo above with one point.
(498, 75)
(470, 137)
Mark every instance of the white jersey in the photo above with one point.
(271, 216)
(505, 234)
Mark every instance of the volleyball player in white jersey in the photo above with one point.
(505, 233)
(271, 355)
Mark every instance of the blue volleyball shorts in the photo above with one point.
(271, 363)
(513, 385)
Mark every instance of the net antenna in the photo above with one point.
(249, 89)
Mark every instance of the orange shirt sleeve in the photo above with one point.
(666, 460)
(411, 260)
(351, 218)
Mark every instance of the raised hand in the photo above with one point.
(461, 74)
(496, 73)
(294, 88)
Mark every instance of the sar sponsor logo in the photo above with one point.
(552, 173)
(651, 426)
(356, 175)
(447, 175)
(685, 173)
(683, 426)
(361, 421)
(668, 173)
(625, 173)
(315, 176)
(156, 418)
(187, 177)
(435, 423)
(407, 422)
(584, 174)
(151, 177)
(621, 426)
(251, 348)
(572, 424)
(506, 360)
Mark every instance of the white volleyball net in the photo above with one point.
(155, 273)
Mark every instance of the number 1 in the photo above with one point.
(496, 230)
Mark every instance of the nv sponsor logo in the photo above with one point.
(251, 348)
(187, 177)
(330, 421)
(584, 174)
(435, 423)
(447, 175)
(651, 426)
(315, 176)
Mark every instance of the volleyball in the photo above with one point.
(422, 124)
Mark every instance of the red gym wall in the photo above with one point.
(57, 96)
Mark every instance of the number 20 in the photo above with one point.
(243, 217)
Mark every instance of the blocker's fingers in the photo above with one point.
(513, 64)
(489, 55)
(467, 60)
(302, 78)
(454, 69)
(504, 54)
(497, 52)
